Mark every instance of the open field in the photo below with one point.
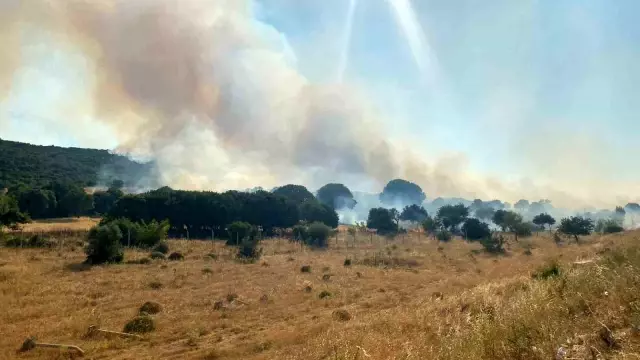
(70, 224)
(445, 301)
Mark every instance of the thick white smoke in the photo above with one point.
(213, 96)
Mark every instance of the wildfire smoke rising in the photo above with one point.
(206, 90)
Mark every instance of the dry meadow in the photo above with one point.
(408, 298)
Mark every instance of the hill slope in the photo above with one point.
(35, 166)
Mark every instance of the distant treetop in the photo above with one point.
(403, 192)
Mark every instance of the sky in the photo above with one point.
(529, 91)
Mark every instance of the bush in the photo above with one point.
(347, 262)
(150, 307)
(318, 235)
(609, 226)
(140, 234)
(152, 234)
(305, 269)
(35, 241)
(475, 229)
(104, 245)
(156, 255)
(300, 233)
(161, 247)
(523, 229)
(175, 256)
(443, 236)
(239, 231)
(552, 269)
(140, 324)
(248, 250)
(493, 244)
(324, 294)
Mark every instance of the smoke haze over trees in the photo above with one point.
(220, 105)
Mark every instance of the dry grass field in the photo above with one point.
(410, 298)
(70, 224)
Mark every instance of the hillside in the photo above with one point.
(36, 166)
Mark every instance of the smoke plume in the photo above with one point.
(207, 91)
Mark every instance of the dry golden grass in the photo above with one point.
(70, 224)
(447, 301)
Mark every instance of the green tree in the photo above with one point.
(576, 226)
(337, 196)
(451, 216)
(10, 215)
(430, 226)
(38, 203)
(382, 220)
(484, 213)
(104, 245)
(318, 235)
(105, 200)
(296, 193)
(239, 231)
(544, 219)
(474, 229)
(313, 211)
(522, 205)
(632, 207)
(414, 213)
(400, 191)
(619, 215)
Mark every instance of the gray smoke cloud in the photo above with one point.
(212, 96)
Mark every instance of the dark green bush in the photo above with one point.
(176, 256)
(249, 250)
(239, 231)
(549, 270)
(300, 233)
(444, 236)
(156, 255)
(150, 307)
(140, 324)
(347, 262)
(104, 245)
(493, 244)
(318, 235)
(161, 247)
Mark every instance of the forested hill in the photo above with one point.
(37, 166)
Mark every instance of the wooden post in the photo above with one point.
(129, 237)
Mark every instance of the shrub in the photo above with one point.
(140, 324)
(140, 234)
(35, 241)
(475, 229)
(239, 231)
(493, 244)
(104, 245)
(157, 255)
(248, 250)
(150, 307)
(609, 226)
(175, 256)
(324, 294)
(152, 234)
(128, 229)
(523, 229)
(161, 247)
(347, 262)
(155, 285)
(300, 233)
(443, 236)
(549, 270)
(305, 269)
(318, 235)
